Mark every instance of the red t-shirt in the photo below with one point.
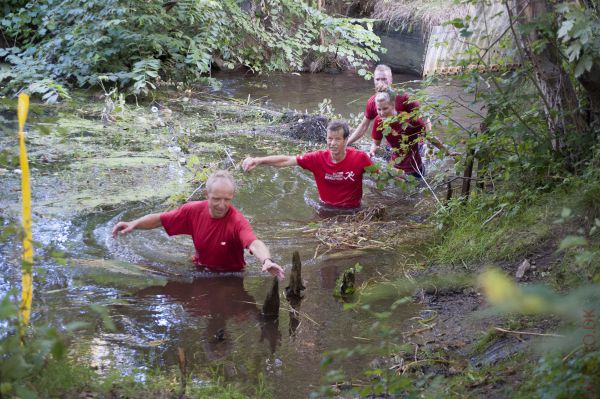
(339, 184)
(220, 242)
(402, 105)
(404, 142)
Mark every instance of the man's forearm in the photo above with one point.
(259, 250)
(276, 160)
(148, 222)
(359, 131)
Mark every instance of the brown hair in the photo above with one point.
(339, 125)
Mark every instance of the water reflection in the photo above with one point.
(218, 300)
(347, 91)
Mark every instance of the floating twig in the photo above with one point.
(527, 333)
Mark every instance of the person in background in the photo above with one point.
(402, 136)
(382, 80)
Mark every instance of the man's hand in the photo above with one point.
(373, 150)
(381, 87)
(249, 163)
(274, 269)
(123, 228)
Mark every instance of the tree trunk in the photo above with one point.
(591, 83)
(564, 120)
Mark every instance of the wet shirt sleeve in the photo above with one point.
(245, 232)
(371, 109)
(376, 133)
(403, 104)
(307, 161)
(177, 221)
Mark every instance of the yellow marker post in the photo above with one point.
(27, 264)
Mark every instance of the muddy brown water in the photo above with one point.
(155, 297)
(346, 91)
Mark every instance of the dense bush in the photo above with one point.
(132, 43)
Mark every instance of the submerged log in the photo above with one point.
(269, 331)
(294, 315)
(294, 290)
(270, 307)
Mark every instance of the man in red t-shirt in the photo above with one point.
(338, 170)
(402, 135)
(382, 79)
(220, 232)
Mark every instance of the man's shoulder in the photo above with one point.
(405, 100)
(403, 96)
(371, 101)
(195, 206)
(316, 153)
(355, 153)
(237, 217)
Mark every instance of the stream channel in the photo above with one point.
(86, 176)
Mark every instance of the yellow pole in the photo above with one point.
(27, 264)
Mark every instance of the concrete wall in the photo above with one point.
(447, 48)
(423, 53)
(405, 50)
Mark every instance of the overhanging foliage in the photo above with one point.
(131, 43)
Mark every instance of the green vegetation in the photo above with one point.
(55, 44)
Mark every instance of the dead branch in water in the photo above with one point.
(362, 230)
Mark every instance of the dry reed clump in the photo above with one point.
(405, 14)
(365, 229)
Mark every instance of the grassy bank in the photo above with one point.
(526, 351)
(489, 229)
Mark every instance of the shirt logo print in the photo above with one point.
(223, 243)
(339, 176)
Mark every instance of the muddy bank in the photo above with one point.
(456, 335)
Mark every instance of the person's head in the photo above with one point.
(337, 138)
(382, 76)
(220, 189)
(384, 102)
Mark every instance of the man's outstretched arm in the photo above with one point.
(261, 252)
(147, 222)
(360, 130)
(271, 160)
